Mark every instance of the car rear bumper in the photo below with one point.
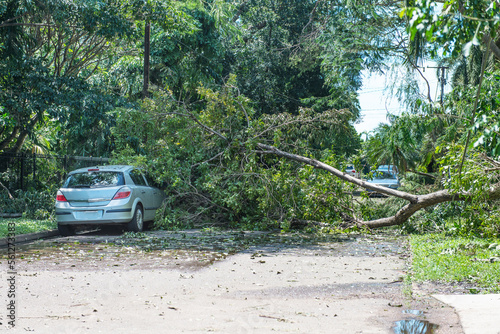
(96, 215)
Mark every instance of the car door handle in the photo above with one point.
(143, 192)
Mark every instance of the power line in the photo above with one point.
(441, 79)
(375, 90)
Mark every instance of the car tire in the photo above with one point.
(66, 230)
(137, 222)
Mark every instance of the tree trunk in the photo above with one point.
(416, 202)
(7, 190)
(6, 142)
(20, 142)
(145, 86)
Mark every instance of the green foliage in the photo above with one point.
(431, 140)
(462, 32)
(458, 27)
(475, 217)
(224, 76)
(473, 180)
(291, 192)
(32, 204)
(456, 219)
(375, 208)
(42, 173)
(396, 144)
(204, 156)
(278, 60)
(472, 262)
(185, 50)
(184, 59)
(358, 36)
(51, 48)
(486, 125)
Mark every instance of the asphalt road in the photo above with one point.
(222, 282)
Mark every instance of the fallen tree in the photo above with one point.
(416, 202)
(226, 162)
(224, 166)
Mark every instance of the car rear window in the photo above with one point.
(94, 179)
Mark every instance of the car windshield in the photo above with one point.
(383, 175)
(94, 179)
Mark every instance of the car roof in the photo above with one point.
(108, 168)
(386, 168)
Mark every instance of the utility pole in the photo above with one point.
(441, 79)
(145, 86)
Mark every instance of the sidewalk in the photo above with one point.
(479, 314)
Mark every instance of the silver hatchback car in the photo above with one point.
(106, 195)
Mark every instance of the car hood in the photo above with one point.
(391, 183)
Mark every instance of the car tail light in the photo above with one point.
(60, 197)
(93, 169)
(123, 193)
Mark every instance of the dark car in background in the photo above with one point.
(117, 194)
(385, 179)
(385, 176)
(391, 169)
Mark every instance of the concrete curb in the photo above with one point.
(30, 237)
(10, 215)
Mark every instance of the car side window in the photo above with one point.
(137, 177)
(149, 181)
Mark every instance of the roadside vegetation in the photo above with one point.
(26, 225)
(471, 263)
(35, 207)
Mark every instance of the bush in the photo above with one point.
(457, 219)
(214, 176)
(32, 204)
(375, 208)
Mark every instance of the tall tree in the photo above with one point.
(49, 50)
(52, 59)
(278, 62)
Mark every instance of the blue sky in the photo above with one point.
(375, 101)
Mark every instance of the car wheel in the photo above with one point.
(137, 222)
(66, 230)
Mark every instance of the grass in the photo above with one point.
(24, 225)
(441, 258)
